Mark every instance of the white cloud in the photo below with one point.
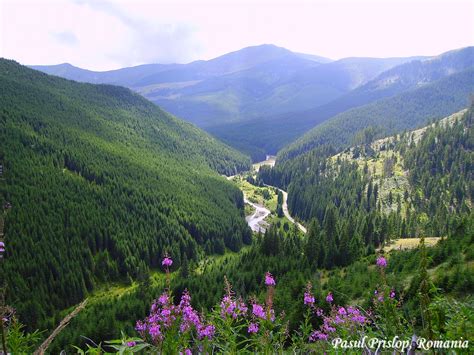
(111, 34)
(66, 37)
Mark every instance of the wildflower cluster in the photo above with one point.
(166, 319)
(348, 319)
(237, 326)
(169, 327)
(231, 307)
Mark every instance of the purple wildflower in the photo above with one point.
(155, 331)
(186, 352)
(167, 261)
(140, 326)
(319, 312)
(258, 311)
(308, 299)
(131, 343)
(253, 328)
(269, 280)
(206, 331)
(380, 298)
(342, 311)
(392, 294)
(242, 307)
(317, 335)
(381, 262)
(228, 306)
(329, 298)
(164, 298)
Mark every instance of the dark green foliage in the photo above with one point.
(442, 171)
(102, 183)
(344, 200)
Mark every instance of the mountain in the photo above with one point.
(205, 92)
(244, 97)
(407, 110)
(102, 183)
(270, 134)
(125, 77)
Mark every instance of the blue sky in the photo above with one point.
(102, 35)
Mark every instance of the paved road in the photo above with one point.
(285, 209)
(257, 220)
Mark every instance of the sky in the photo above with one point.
(105, 35)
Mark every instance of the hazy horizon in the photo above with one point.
(107, 35)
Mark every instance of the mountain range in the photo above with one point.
(259, 99)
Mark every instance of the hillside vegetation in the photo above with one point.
(101, 184)
(417, 183)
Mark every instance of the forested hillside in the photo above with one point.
(409, 110)
(101, 183)
(417, 183)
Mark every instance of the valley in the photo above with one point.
(113, 201)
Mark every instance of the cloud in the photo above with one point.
(67, 37)
(109, 34)
(151, 40)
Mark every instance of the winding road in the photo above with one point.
(285, 209)
(256, 221)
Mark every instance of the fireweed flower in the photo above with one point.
(167, 262)
(258, 311)
(206, 331)
(155, 331)
(131, 343)
(253, 328)
(269, 280)
(308, 299)
(164, 299)
(329, 298)
(392, 294)
(228, 306)
(308, 295)
(242, 307)
(317, 335)
(190, 316)
(381, 262)
(342, 311)
(140, 327)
